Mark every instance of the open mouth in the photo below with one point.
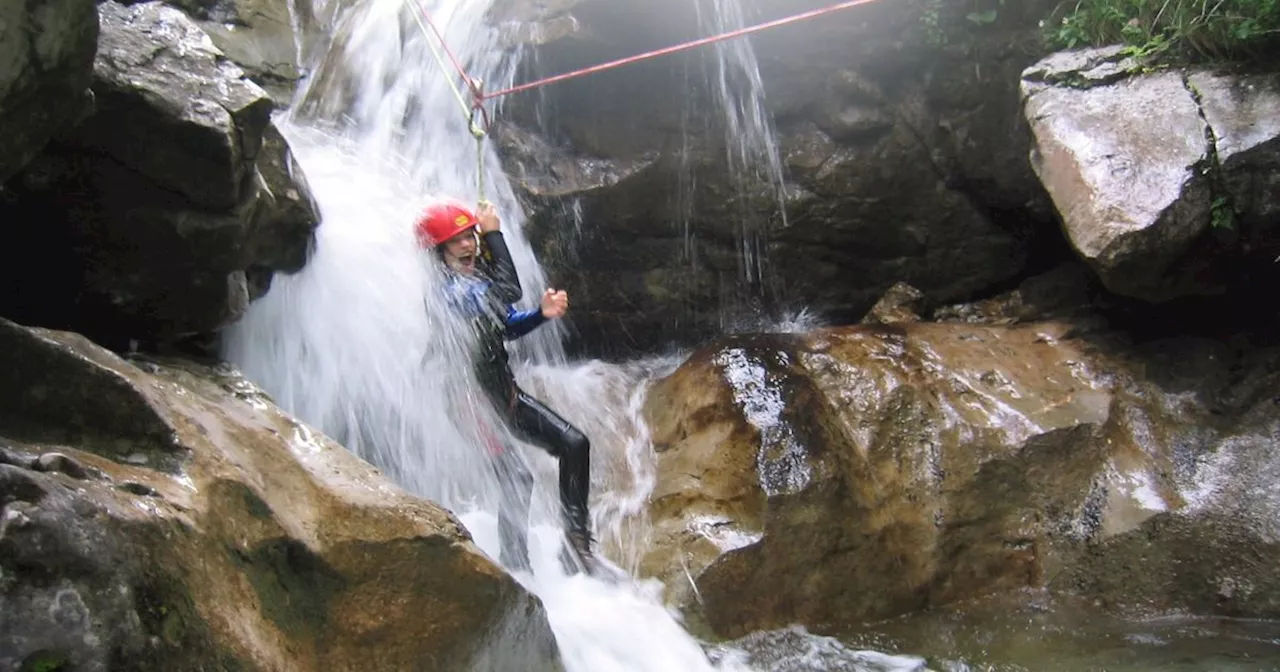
(467, 260)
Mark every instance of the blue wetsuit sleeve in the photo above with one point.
(521, 322)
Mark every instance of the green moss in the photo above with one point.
(294, 585)
(45, 661)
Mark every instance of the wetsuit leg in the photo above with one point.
(542, 427)
(515, 492)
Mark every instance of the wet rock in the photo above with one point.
(143, 222)
(262, 36)
(17, 458)
(46, 61)
(1166, 207)
(1244, 113)
(849, 475)
(902, 303)
(1064, 293)
(270, 547)
(157, 73)
(53, 394)
(524, 11)
(59, 463)
(540, 170)
(903, 162)
(284, 223)
(1126, 164)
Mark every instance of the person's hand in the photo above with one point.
(487, 215)
(554, 304)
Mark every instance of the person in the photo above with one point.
(481, 286)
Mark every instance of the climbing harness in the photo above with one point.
(478, 117)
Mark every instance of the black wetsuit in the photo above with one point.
(485, 300)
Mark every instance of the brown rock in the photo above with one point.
(854, 474)
(902, 303)
(259, 545)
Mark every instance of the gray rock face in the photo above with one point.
(265, 37)
(148, 218)
(172, 107)
(1244, 113)
(1125, 164)
(1145, 169)
(46, 61)
(901, 161)
(86, 614)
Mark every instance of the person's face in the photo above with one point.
(460, 253)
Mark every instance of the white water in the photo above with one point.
(359, 346)
(751, 148)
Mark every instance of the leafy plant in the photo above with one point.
(1206, 30)
(1223, 215)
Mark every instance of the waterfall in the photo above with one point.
(751, 298)
(360, 345)
(751, 148)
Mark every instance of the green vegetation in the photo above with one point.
(45, 661)
(1199, 30)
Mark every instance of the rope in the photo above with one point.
(457, 93)
(478, 96)
(477, 104)
(676, 48)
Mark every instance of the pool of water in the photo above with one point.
(1023, 633)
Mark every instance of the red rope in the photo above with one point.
(471, 83)
(667, 50)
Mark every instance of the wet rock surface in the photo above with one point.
(46, 62)
(265, 37)
(263, 545)
(903, 160)
(854, 474)
(147, 220)
(1159, 178)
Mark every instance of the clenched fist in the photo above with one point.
(555, 303)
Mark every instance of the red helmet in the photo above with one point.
(443, 220)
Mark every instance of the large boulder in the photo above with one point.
(901, 151)
(271, 39)
(1152, 173)
(854, 474)
(1243, 112)
(168, 516)
(148, 219)
(46, 61)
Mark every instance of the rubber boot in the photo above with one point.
(577, 554)
(513, 539)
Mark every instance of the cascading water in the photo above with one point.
(360, 344)
(751, 300)
(751, 148)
